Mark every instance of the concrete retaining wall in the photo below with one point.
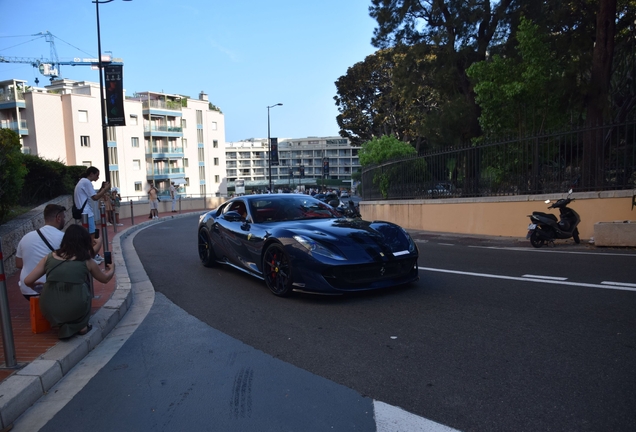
(498, 216)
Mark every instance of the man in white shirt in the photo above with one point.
(32, 248)
(173, 197)
(84, 192)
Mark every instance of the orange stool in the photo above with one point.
(39, 324)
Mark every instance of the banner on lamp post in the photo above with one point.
(274, 150)
(115, 95)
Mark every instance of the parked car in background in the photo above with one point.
(442, 189)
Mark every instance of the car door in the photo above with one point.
(231, 227)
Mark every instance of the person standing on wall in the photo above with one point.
(84, 191)
(154, 201)
(173, 197)
(35, 245)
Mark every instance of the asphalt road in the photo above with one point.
(486, 345)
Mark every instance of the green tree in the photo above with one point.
(383, 149)
(523, 94)
(372, 104)
(455, 34)
(12, 171)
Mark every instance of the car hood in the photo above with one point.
(353, 237)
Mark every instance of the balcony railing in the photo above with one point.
(13, 125)
(165, 171)
(159, 104)
(162, 128)
(165, 150)
(10, 97)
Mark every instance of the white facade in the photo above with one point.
(166, 137)
(249, 160)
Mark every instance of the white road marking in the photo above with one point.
(535, 250)
(547, 281)
(389, 418)
(446, 244)
(619, 284)
(544, 277)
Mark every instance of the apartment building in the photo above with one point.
(302, 161)
(166, 138)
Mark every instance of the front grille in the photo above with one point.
(366, 275)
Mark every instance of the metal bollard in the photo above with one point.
(102, 216)
(85, 220)
(179, 204)
(5, 318)
(132, 213)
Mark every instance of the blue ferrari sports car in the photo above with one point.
(297, 243)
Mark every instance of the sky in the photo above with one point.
(245, 55)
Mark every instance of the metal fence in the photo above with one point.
(590, 159)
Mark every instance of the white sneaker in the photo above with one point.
(98, 259)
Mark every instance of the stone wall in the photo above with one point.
(12, 231)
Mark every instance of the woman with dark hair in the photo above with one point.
(65, 300)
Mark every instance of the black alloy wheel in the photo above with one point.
(206, 255)
(535, 240)
(277, 270)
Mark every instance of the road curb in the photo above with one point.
(22, 389)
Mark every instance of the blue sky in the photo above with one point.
(245, 54)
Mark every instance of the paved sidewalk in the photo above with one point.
(42, 358)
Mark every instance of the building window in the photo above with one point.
(202, 173)
(136, 164)
(26, 150)
(185, 142)
(186, 164)
(216, 161)
(137, 186)
(134, 141)
(202, 189)
(85, 141)
(217, 179)
(199, 117)
(133, 120)
(183, 123)
(200, 136)
(82, 116)
(187, 179)
(201, 157)
(214, 126)
(215, 143)
(87, 163)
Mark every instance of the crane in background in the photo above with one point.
(51, 67)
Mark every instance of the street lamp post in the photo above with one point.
(269, 146)
(102, 99)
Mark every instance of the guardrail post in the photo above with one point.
(132, 213)
(5, 318)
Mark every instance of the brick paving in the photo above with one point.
(28, 345)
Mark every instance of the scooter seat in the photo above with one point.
(547, 215)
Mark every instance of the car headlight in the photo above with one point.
(412, 246)
(314, 247)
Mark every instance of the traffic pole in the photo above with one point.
(132, 213)
(102, 216)
(5, 318)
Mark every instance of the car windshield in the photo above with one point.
(279, 208)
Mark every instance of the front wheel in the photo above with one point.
(535, 240)
(206, 254)
(277, 270)
(575, 236)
